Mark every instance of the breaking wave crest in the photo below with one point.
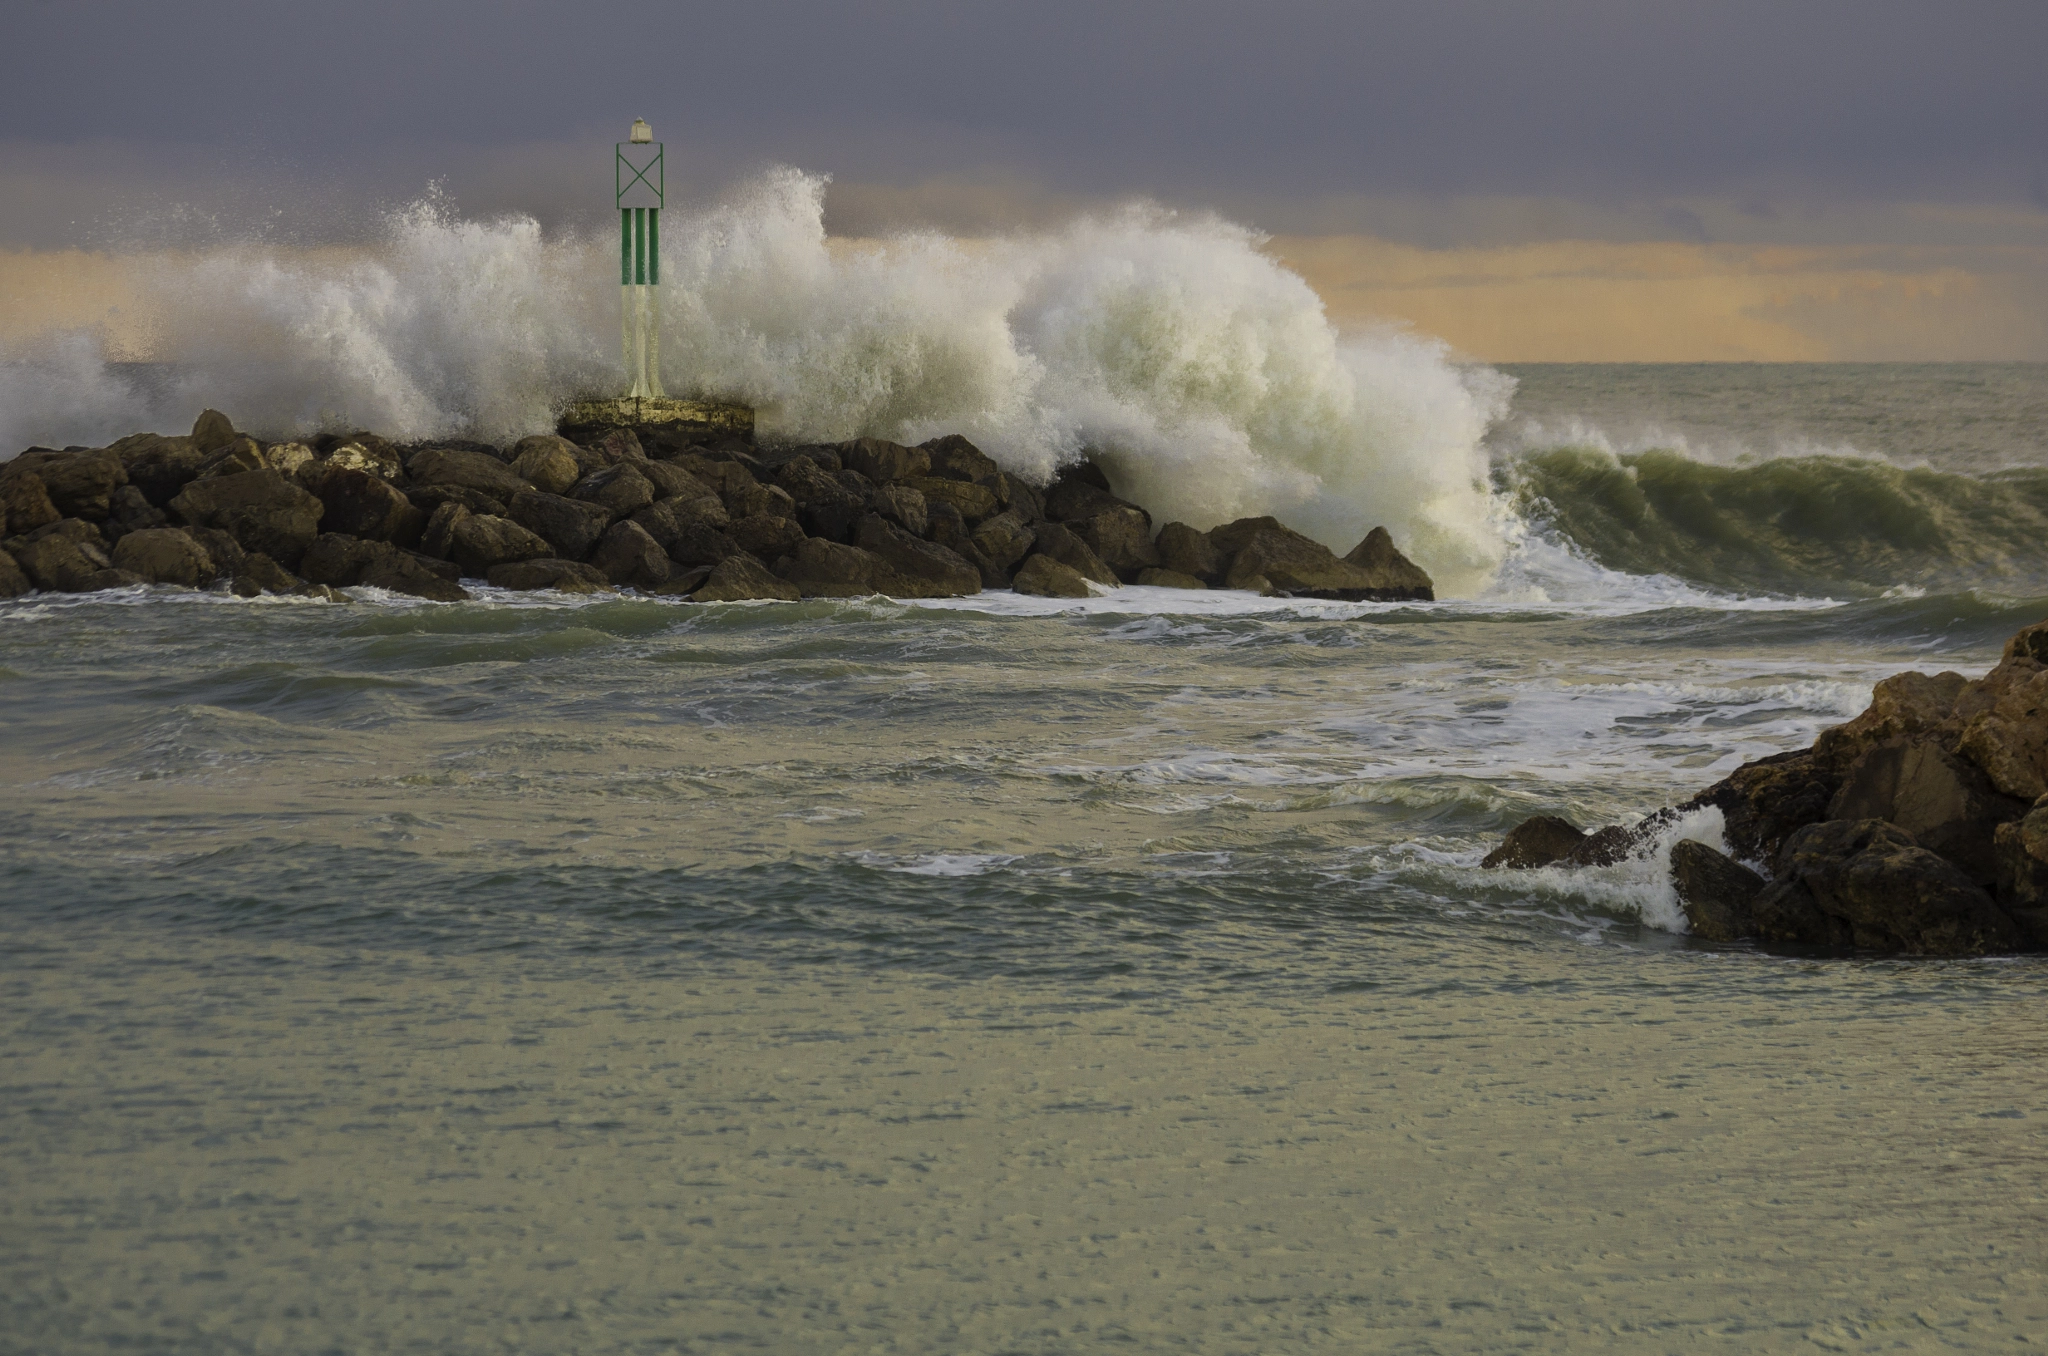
(1203, 373)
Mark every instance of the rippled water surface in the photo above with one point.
(1003, 975)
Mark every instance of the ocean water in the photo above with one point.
(1014, 975)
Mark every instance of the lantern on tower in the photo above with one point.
(639, 188)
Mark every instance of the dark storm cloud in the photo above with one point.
(1581, 98)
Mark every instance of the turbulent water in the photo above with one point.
(1004, 975)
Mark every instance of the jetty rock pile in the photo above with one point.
(714, 518)
(1920, 827)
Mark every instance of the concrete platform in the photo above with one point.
(586, 419)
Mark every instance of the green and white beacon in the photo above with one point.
(639, 188)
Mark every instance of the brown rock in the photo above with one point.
(1186, 551)
(361, 503)
(212, 431)
(2029, 643)
(61, 557)
(481, 540)
(739, 578)
(1045, 577)
(752, 499)
(128, 510)
(764, 536)
(368, 454)
(260, 574)
(1894, 894)
(2022, 850)
(240, 453)
(1057, 541)
(929, 569)
(1169, 579)
(882, 461)
(1121, 539)
(830, 569)
(954, 458)
(1004, 539)
(429, 498)
(1537, 841)
(666, 519)
(1715, 892)
(627, 555)
(1399, 579)
(2010, 741)
(824, 507)
(902, 506)
(164, 555)
(1946, 804)
(438, 537)
(1295, 565)
(448, 466)
(337, 561)
(673, 482)
(1763, 802)
(1903, 704)
(699, 543)
(13, 583)
(548, 463)
(563, 576)
(24, 502)
(571, 526)
(80, 483)
(1786, 911)
(159, 466)
(620, 489)
(261, 509)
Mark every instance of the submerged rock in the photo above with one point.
(563, 576)
(742, 578)
(1536, 841)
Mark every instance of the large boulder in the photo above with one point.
(1715, 892)
(24, 502)
(429, 499)
(931, 570)
(740, 578)
(2022, 851)
(902, 506)
(81, 483)
(480, 540)
(13, 583)
(2010, 740)
(700, 543)
(1396, 578)
(1057, 541)
(164, 555)
(159, 466)
(240, 453)
(563, 576)
(1892, 893)
(945, 527)
(974, 502)
(450, 466)
(824, 507)
(766, 536)
(752, 499)
(261, 509)
(338, 561)
(571, 526)
(628, 556)
(1946, 804)
(67, 556)
(954, 458)
(882, 461)
(1169, 579)
(1045, 577)
(829, 569)
(361, 503)
(620, 489)
(1539, 840)
(1184, 550)
(667, 520)
(369, 454)
(1903, 704)
(212, 431)
(672, 482)
(548, 462)
(1121, 538)
(1005, 539)
(1763, 802)
(129, 510)
(1277, 559)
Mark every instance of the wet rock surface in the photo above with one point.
(670, 510)
(1906, 830)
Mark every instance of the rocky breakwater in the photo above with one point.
(1920, 827)
(685, 512)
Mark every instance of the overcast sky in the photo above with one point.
(1693, 120)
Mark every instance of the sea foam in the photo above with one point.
(1205, 374)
